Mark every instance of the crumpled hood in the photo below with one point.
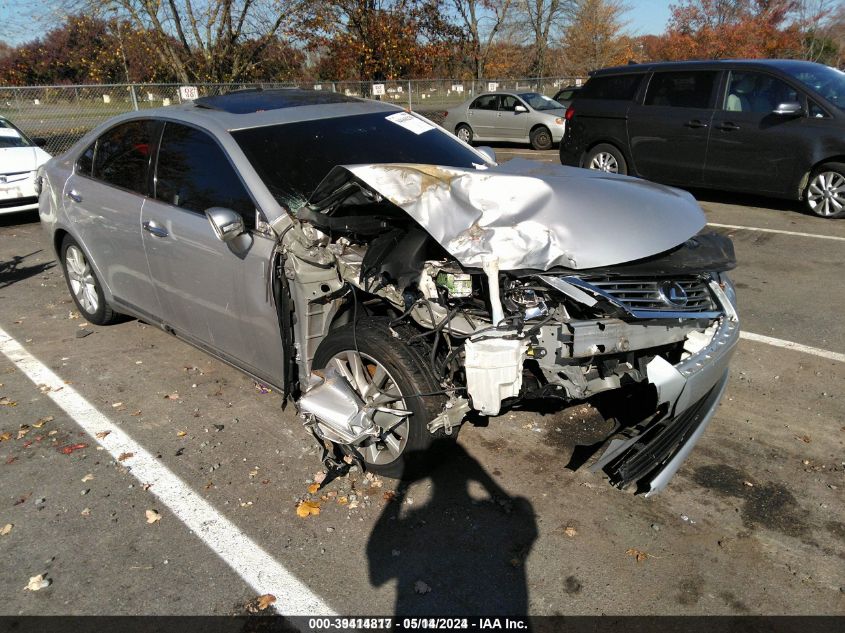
(536, 215)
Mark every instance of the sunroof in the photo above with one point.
(249, 101)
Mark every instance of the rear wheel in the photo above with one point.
(825, 194)
(464, 132)
(85, 288)
(606, 158)
(389, 374)
(541, 138)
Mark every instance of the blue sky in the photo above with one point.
(23, 20)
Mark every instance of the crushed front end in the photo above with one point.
(512, 306)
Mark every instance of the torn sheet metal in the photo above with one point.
(534, 215)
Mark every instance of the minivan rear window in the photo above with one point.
(613, 87)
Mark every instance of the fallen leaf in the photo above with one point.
(748, 483)
(101, 435)
(5, 437)
(343, 500)
(389, 495)
(117, 404)
(42, 421)
(313, 488)
(86, 512)
(5, 402)
(36, 583)
(146, 487)
(570, 531)
(320, 477)
(87, 477)
(153, 516)
(67, 450)
(265, 601)
(307, 508)
(23, 431)
(209, 485)
(53, 432)
(6, 529)
(181, 434)
(421, 588)
(253, 473)
(136, 413)
(803, 438)
(172, 396)
(124, 456)
(639, 555)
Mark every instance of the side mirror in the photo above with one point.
(520, 108)
(790, 108)
(226, 223)
(488, 152)
(40, 141)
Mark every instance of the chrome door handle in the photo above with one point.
(695, 124)
(151, 227)
(727, 126)
(74, 195)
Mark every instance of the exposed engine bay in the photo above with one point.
(510, 292)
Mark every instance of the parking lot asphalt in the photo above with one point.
(751, 524)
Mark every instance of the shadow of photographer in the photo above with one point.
(463, 551)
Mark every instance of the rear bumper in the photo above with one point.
(690, 392)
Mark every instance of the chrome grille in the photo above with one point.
(652, 294)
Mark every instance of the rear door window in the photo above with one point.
(193, 173)
(122, 156)
(612, 87)
(485, 102)
(684, 89)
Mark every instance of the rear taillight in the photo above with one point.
(445, 113)
(570, 112)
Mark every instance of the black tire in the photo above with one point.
(541, 138)
(602, 150)
(464, 128)
(820, 196)
(410, 370)
(103, 314)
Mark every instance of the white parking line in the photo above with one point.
(762, 230)
(798, 347)
(246, 558)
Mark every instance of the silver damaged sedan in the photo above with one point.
(389, 279)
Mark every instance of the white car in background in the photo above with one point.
(20, 158)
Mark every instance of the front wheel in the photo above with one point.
(825, 195)
(392, 376)
(606, 158)
(541, 138)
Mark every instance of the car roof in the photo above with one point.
(260, 108)
(713, 64)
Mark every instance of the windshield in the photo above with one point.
(10, 136)
(541, 102)
(827, 81)
(293, 158)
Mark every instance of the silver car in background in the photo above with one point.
(524, 117)
(391, 280)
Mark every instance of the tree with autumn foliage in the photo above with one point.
(384, 39)
(719, 29)
(595, 38)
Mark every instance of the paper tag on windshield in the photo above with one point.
(410, 122)
(7, 132)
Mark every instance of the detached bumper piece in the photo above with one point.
(653, 456)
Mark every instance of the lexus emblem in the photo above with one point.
(673, 294)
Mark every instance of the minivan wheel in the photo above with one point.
(464, 132)
(606, 158)
(825, 194)
(541, 138)
(84, 286)
(389, 373)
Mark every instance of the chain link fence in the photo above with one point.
(62, 114)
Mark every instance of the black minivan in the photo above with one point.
(772, 127)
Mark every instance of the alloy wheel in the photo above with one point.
(826, 193)
(81, 278)
(606, 162)
(463, 134)
(383, 402)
